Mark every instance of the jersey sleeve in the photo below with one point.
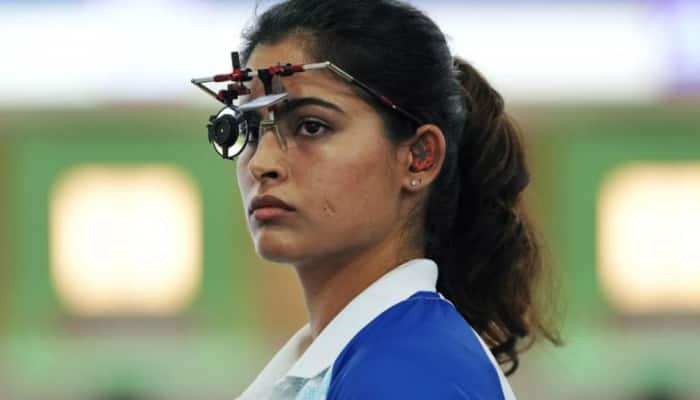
(388, 377)
(420, 350)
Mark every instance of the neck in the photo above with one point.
(330, 284)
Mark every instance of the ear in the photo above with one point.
(426, 153)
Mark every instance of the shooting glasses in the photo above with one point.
(231, 128)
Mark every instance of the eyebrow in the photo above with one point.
(293, 104)
(290, 105)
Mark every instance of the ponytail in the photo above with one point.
(489, 258)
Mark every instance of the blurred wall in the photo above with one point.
(600, 89)
(246, 308)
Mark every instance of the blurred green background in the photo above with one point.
(244, 307)
(106, 180)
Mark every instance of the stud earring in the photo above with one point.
(414, 183)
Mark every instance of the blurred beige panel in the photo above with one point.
(282, 309)
(649, 238)
(125, 239)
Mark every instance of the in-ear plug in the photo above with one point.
(423, 156)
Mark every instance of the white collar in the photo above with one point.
(292, 360)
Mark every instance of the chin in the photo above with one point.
(276, 249)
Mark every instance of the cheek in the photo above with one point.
(245, 182)
(241, 179)
(355, 189)
(243, 175)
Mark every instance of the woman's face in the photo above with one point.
(343, 182)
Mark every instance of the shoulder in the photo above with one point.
(420, 348)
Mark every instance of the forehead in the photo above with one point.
(320, 83)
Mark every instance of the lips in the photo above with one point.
(268, 201)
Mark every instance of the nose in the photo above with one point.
(267, 162)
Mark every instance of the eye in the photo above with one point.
(253, 131)
(253, 122)
(312, 127)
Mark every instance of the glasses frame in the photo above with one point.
(236, 88)
(238, 76)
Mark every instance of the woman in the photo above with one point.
(402, 217)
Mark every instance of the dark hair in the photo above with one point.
(474, 224)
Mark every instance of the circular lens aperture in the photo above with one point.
(225, 131)
(228, 132)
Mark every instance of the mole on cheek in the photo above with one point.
(328, 208)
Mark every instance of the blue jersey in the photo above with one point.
(386, 345)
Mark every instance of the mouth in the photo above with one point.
(268, 205)
(269, 213)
